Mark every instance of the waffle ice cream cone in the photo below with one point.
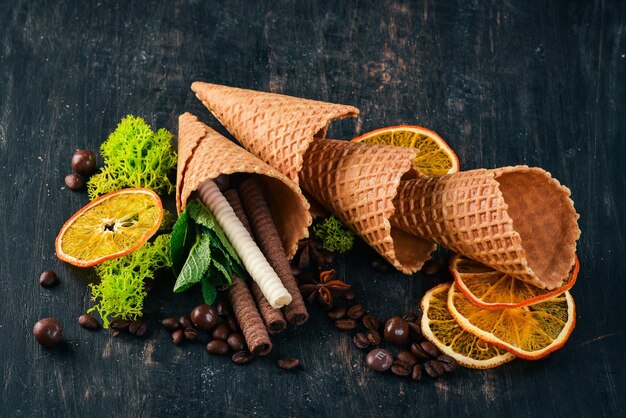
(276, 128)
(358, 182)
(518, 220)
(204, 154)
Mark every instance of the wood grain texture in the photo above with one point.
(504, 82)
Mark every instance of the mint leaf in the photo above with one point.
(196, 265)
(209, 292)
(182, 240)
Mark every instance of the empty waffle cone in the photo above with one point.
(358, 183)
(517, 220)
(276, 128)
(204, 154)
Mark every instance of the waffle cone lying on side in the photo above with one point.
(357, 182)
(517, 220)
(204, 154)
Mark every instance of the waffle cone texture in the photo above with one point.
(204, 154)
(518, 220)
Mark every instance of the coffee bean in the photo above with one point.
(88, 322)
(48, 279)
(407, 357)
(242, 357)
(288, 363)
(361, 341)
(143, 328)
(400, 368)
(356, 311)
(415, 331)
(380, 265)
(221, 332)
(222, 181)
(204, 317)
(418, 352)
(232, 323)
(222, 308)
(217, 347)
(48, 332)
(178, 336)
(432, 267)
(185, 321)
(74, 182)
(416, 373)
(170, 324)
(134, 326)
(349, 295)
(396, 330)
(120, 324)
(236, 342)
(449, 363)
(379, 360)
(371, 322)
(434, 368)
(345, 324)
(373, 337)
(84, 162)
(429, 348)
(116, 333)
(337, 313)
(191, 335)
(409, 317)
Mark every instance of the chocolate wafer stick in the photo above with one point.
(273, 318)
(268, 240)
(249, 319)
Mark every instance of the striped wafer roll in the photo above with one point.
(249, 319)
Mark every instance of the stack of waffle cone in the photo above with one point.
(357, 182)
(517, 220)
(204, 154)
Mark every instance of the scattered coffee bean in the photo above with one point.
(345, 324)
(288, 363)
(432, 267)
(449, 363)
(349, 295)
(116, 333)
(400, 368)
(418, 352)
(221, 332)
(170, 324)
(191, 335)
(84, 162)
(134, 326)
(185, 321)
(379, 360)
(380, 265)
(373, 337)
(371, 322)
(242, 357)
(74, 182)
(48, 279)
(222, 181)
(222, 308)
(415, 331)
(217, 347)
(356, 311)
(48, 332)
(120, 324)
(232, 323)
(407, 357)
(204, 317)
(143, 328)
(416, 373)
(434, 368)
(396, 330)
(409, 317)
(236, 342)
(88, 322)
(361, 341)
(178, 336)
(337, 313)
(429, 348)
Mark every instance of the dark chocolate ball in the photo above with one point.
(204, 317)
(84, 162)
(48, 332)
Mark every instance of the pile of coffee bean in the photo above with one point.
(83, 165)
(221, 328)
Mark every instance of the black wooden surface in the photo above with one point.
(504, 82)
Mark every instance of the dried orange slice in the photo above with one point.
(440, 328)
(530, 332)
(434, 158)
(111, 226)
(491, 289)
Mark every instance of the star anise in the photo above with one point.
(313, 257)
(324, 289)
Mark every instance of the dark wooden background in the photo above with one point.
(504, 82)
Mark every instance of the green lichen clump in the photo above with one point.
(121, 290)
(135, 156)
(334, 235)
